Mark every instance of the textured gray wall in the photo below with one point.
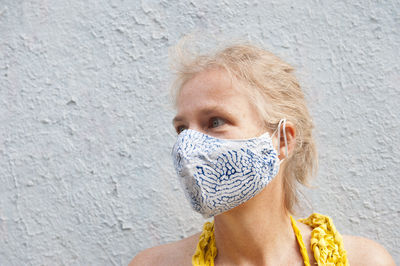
(85, 133)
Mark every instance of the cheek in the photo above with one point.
(246, 128)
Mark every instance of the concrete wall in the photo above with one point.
(85, 128)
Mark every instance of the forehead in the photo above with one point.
(214, 86)
(212, 92)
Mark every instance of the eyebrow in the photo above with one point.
(205, 111)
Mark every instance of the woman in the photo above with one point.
(244, 145)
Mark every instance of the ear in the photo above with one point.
(290, 131)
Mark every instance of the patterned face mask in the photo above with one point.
(220, 174)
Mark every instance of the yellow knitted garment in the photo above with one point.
(326, 243)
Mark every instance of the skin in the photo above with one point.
(259, 231)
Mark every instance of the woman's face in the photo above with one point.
(212, 103)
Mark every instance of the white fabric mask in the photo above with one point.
(220, 174)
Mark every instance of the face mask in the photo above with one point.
(219, 174)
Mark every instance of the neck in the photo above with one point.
(258, 232)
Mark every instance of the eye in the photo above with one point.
(179, 129)
(216, 122)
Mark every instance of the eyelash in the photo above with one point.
(180, 128)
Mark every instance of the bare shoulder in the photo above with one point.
(363, 251)
(176, 253)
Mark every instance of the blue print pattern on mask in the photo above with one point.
(220, 174)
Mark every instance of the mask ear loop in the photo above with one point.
(283, 123)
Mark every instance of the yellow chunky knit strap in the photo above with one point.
(326, 242)
(206, 250)
(303, 249)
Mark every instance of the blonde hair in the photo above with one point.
(276, 93)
